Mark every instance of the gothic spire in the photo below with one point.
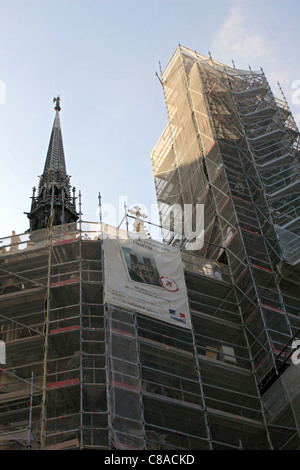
(55, 161)
(54, 191)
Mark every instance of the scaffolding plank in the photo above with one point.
(64, 445)
(63, 283)
(63, 330)
(63, 383)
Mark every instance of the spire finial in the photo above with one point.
(57, 103)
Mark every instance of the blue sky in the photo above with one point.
(101, 56)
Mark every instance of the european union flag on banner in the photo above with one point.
(177, 316)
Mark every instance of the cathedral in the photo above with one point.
(115, 341)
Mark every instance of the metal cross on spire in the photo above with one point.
(57, 103)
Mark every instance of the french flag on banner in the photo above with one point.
(177, 316)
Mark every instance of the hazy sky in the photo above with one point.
(101, 56)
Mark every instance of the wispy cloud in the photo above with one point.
(242, 38)
(237, 40)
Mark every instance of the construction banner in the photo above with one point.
(147, 277)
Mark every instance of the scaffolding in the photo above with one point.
(82, 373)
(53, 331)
(230, 145)
(103, 377)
